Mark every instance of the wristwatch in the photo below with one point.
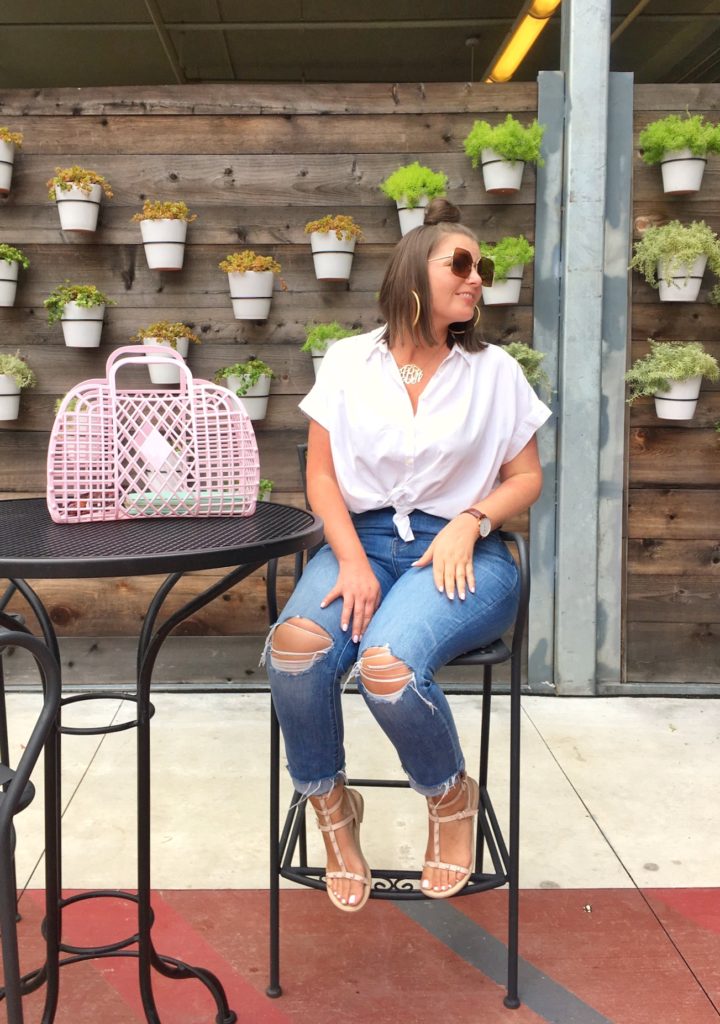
(484, 522)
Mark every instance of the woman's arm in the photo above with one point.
(356, 584)
(452, 550)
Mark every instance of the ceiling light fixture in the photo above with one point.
(529, 23)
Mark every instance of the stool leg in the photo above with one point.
(512, 1000)
(274, 990)
(8, 929)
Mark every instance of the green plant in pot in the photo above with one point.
(510, 255)
(251, 278)
(412, 186)
(681, 146)
(80, 308)
(13, 260)
(672, 258)
(163, 226)
(672, 372)
(332, 241)
(503, 150)
(265, 489)
(9, 142)
(319, 336)
(15, 376)
(77, 192)
(167, 334)
(250, 381)
(531, 361)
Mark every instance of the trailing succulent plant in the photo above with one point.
(66, 178)
(16, 138)
(674, 132)
(12, 255)
(167, 331)
(158, 209)
(85, 295)
(510, 139)
(17, 368)
(342, 225)
(669, 361)
(319, 336)
(251, 371)
(677, 246)
(247, 260)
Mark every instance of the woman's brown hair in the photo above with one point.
(407, 273)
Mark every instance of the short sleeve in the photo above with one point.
(320, 401)
(530, 414)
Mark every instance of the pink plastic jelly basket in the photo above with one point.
(129, 454)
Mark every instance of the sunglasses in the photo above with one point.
(461, 265)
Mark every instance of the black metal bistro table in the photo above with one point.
(33, 547)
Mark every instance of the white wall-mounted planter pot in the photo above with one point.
(251, 294)
(7, 159)
(332, 256)
(682, 173)
(411, 216)
(82, 326)
(164, 242)
(501, 177)
(507, 292)
(255, 399)
(9, 398)
(679, 402)
(317, 357)
(685, 281)
(8, 281)
(78, 210)
(160, 373)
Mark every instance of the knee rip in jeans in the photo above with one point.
(385, 677)
(295, 645)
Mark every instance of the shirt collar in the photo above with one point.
(380, 345)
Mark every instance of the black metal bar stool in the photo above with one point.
(16, 793)
(497, 857)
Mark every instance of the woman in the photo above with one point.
(421, 443)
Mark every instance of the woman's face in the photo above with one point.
(453, 297)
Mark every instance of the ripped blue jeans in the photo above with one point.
(421, 627)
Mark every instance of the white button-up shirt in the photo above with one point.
(476, 413)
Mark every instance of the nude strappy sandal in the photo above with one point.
(329, 826)
(472, 800)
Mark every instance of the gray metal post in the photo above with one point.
(585, 55)
(546, 337)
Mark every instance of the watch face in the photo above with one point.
(485, 526)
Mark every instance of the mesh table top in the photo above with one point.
(33, 547)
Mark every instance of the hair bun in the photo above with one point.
(440, 211)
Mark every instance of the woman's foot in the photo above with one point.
(348, 878)
(451, 840)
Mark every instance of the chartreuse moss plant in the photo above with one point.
(677, 246)
(66, 178)
(319, 336)
(530, 361)
(16, 138)
(167, 331)
(666, 362)
(511, 140)
(413, 182)
(85, 295)
(246, 259)
(12, 255)
(343, 226)
(251, 371)
(511, 251)
(16, 367)
(675, 132)
(158, 209)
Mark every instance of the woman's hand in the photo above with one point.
(451, 554)
(359, 589)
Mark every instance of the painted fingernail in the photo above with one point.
(344, 627)
(322, 604)
(356, 638)
(472, 590)
(440, 590)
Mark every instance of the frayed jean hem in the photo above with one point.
(432, 792)
(318, 787)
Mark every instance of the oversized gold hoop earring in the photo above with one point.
(476, 321)
(418, 308)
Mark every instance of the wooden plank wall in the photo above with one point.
(256, 163)
(673, 524)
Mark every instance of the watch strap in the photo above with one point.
(477, 514)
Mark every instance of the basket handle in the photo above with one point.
(141, 355)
